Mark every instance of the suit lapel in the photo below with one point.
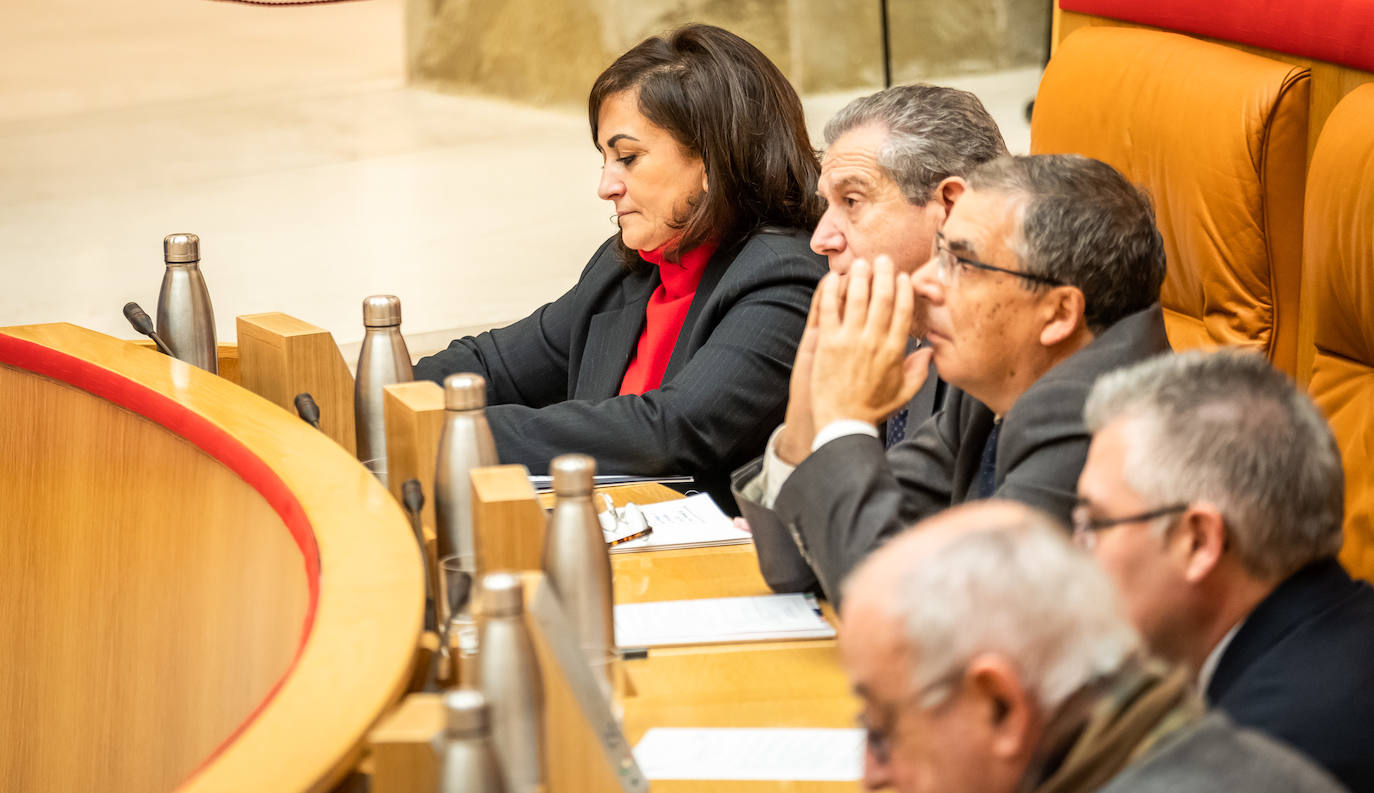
(613, 335)
(715, 270)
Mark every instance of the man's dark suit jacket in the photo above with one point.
(1301, 668)
(553, 377)
(847, 497)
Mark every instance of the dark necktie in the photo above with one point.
(986, 482)
(896, 428)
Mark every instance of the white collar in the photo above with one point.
(1209, 666)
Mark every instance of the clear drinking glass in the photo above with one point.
(457, 627)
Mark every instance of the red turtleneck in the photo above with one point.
(664, 315)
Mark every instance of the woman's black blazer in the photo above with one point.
(553, 377)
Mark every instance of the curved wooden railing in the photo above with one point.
(200, 591)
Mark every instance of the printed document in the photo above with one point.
(720, 620)
(788, 754)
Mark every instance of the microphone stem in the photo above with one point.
(161, 345)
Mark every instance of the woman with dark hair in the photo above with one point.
(672, 352)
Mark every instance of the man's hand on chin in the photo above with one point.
(860, 368)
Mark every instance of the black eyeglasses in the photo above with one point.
(946, 261)
(1086, 527)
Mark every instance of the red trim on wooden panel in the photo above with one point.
(1339, 31)
(210, 439)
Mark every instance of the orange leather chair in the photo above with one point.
(1219, 139)
(1338, 261)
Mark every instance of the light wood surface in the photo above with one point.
(112, 617)
(227, 352)
(767, 684)
(401, 746)
(576, 762)
(153, 597)
(687, 574)
(403, 761)
(281, 356)
(507, 521)
(414, 415)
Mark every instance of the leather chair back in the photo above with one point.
(1219, 139)
(1338, 260)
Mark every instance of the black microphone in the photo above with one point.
(307, 409)
(143, 324)
(413, 499)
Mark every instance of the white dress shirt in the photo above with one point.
(775, 472)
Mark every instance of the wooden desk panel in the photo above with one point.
(116, 624)
(281, 356)
(764, 684)
(199, 523)
(783, 684)
(687, 574)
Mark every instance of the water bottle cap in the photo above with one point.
(503, 595)
(466, 712)
(572, 474)
(181, 248)
(465, 391)
(380, 311)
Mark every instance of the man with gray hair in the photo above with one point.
(1045, 275)
(886, 155)
(993, 657)
(1213, 495)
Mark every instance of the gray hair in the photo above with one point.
(1227, 428)
(1086, 225)
(1020, 590)
(933, 133)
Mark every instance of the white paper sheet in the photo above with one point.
(717, 620)
(692, 522)
(790, 754)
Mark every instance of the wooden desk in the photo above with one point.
(200, 592)
(765, 684)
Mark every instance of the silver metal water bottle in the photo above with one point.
(508, 673)
(464, 444)
(467, 761)
(578, 564)
(185, 319)
(383, 361)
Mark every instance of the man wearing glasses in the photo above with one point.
(993, 657)
(886, 156)
(1213, 496)
(1045, 275)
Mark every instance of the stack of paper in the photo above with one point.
(720, 620)
(692, 522)
(791, 754)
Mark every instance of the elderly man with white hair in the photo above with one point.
(993, 657)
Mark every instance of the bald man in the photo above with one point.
(994, 657)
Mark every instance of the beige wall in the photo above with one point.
(550, 51)
(931, 38)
